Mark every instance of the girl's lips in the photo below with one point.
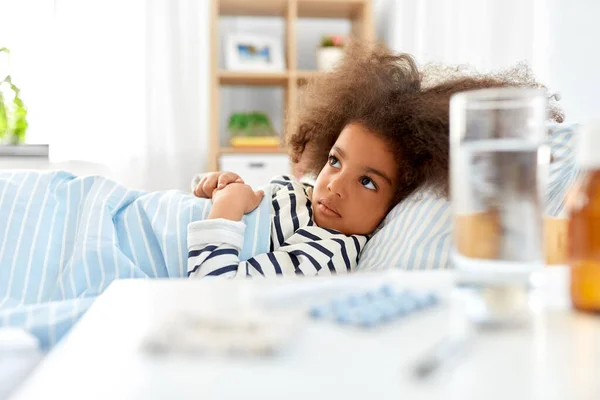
(326, 210)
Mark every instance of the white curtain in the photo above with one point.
(130, 88)
(487, 34)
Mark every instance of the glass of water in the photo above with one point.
(497, 146)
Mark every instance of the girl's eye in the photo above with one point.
(334, 162)
(368, 183)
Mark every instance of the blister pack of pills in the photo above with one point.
(374, 307)
(253, 333)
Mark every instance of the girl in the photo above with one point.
(373, 131)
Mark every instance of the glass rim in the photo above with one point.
(510, 93)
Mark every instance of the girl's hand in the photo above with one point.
(234, 200)
(213, 181)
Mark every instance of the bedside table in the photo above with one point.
(27, 156)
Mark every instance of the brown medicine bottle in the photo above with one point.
(584, 223)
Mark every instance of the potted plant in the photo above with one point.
(252, 129)
(330, 52)
(13, 113)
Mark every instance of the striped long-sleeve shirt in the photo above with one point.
(298, 245)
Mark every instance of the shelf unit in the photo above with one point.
(252, 150)
(359, 12)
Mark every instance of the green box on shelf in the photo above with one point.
(250, 124)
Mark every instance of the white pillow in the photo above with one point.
(416, 234)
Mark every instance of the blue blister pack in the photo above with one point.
(374, 307)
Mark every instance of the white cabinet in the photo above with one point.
(23, 163)
(256, 169)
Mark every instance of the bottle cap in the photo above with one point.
(588, 149)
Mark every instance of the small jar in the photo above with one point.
(584, 223)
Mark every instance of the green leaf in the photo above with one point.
(13, 114)
(4, 49)
(237, 124)
(3, 117)
(20, 122)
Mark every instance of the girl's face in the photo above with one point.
(354, 190)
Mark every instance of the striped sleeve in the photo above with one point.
(562, 170)
(310, 251)
(214, 247)
(291, 208)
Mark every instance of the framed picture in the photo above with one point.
(254, 53)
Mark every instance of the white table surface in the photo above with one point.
(557, 357)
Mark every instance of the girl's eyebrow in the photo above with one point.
(379, 173)
(367, 169)
(339, 151)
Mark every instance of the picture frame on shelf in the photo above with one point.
(254, 53)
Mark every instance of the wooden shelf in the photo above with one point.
(265, 78)
(252, 150)
(304, 76)
(254, 8)
(358, 12)
(329, 8)
(253, 78)
(278, 8)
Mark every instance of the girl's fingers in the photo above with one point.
(258, 195)
(227, 178)
(209, 186)
(198, 192)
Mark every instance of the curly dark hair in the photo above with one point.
(387, 94)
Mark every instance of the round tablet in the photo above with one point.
(369, 317)
(387, 290)
(319, 311)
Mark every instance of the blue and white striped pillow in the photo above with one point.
(416, 234)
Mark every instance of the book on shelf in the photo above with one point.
(255, 141)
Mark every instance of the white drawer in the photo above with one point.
(256, 169)
(24, 163)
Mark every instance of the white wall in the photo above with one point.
(557, 38)
(574, 56)
(383, 11)
(487, 34)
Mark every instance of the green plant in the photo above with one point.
(332, 41)
(13, 113)
(250, 124)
